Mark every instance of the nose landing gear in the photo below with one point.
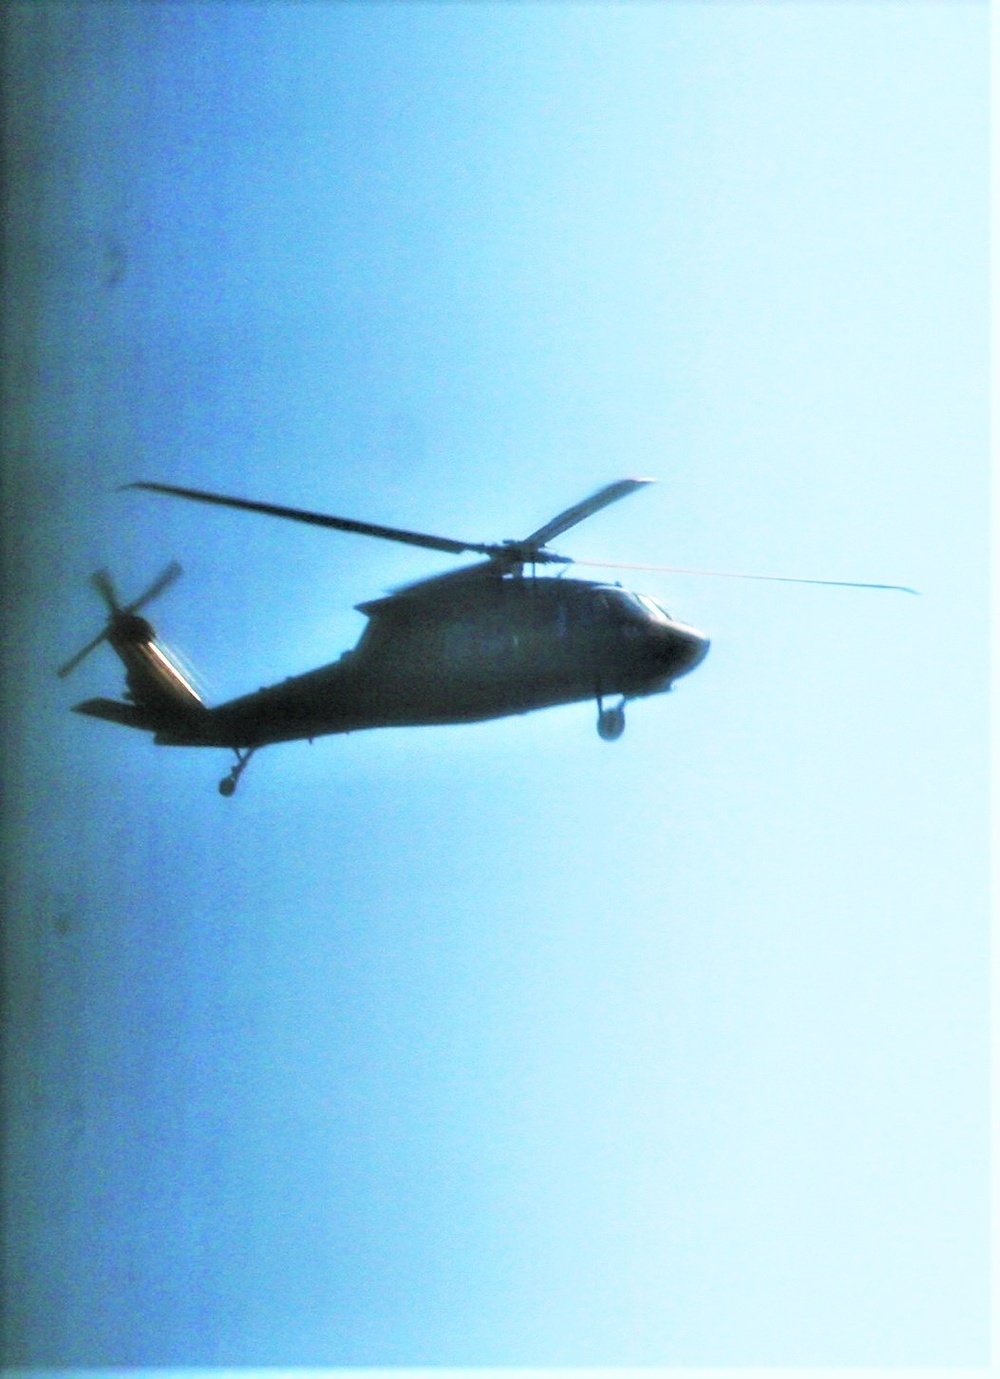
(228, 783)
(610, 722)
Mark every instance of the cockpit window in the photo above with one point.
(651, 606)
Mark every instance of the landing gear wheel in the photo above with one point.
(611, 722)
(228, 784)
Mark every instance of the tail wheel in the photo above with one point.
(228, 783)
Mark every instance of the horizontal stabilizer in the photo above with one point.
(129, 715)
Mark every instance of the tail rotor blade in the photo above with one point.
(164, 581)
(74, 661)
(102, 582)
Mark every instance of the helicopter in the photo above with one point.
(486, 641)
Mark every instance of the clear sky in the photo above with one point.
(501, 1045)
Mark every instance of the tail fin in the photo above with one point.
(161, 695)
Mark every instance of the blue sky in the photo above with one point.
(500, 1045)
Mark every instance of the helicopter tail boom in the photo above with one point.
(160, 698)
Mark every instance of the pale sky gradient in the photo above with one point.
(501, 1045)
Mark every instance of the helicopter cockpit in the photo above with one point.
(640, 607)
(651, 607)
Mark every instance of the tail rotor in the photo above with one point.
(118, 614)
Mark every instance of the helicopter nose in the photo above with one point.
(690, 647)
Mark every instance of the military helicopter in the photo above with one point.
(484, 641)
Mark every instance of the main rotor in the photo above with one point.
(504, 556)
(531, 550)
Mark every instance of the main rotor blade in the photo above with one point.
(74, 661)
(738, 574)
(320, 519)
(609, 494)
(164, 581)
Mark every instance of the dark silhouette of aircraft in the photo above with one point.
(485, 641)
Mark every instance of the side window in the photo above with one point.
(591, 610)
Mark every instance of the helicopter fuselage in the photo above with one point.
(458, 651)
(485, 641)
